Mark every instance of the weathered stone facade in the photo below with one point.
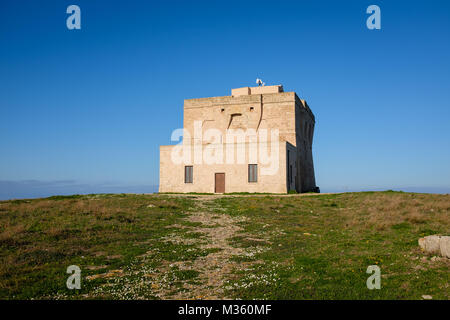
(284, 121)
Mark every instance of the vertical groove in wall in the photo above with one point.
(261, 113)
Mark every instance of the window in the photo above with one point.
(188, 171)
(252, 173)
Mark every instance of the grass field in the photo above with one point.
(168, 246)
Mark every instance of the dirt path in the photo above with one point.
(213, 268)
(217, 230)
(214, 230)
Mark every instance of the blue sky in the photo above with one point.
(86, 110)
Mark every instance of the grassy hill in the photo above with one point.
(232, 246)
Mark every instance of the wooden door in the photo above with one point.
(220, 183)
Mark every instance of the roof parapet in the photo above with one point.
(246, 91)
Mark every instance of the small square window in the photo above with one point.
(188, 174)
(252, 108)
(252, 173)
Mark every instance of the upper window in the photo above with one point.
(188, 174)
(252, 173)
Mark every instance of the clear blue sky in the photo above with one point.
(86, 110)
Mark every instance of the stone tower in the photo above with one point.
(260, 121)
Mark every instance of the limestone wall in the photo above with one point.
(236, 175)
(268, 111)
(305, 123)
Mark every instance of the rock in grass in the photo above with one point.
(437, 245)
(430, 244)
(444, 245)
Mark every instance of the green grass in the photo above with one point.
(328, 241)
(40, 238)
(298, 247)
